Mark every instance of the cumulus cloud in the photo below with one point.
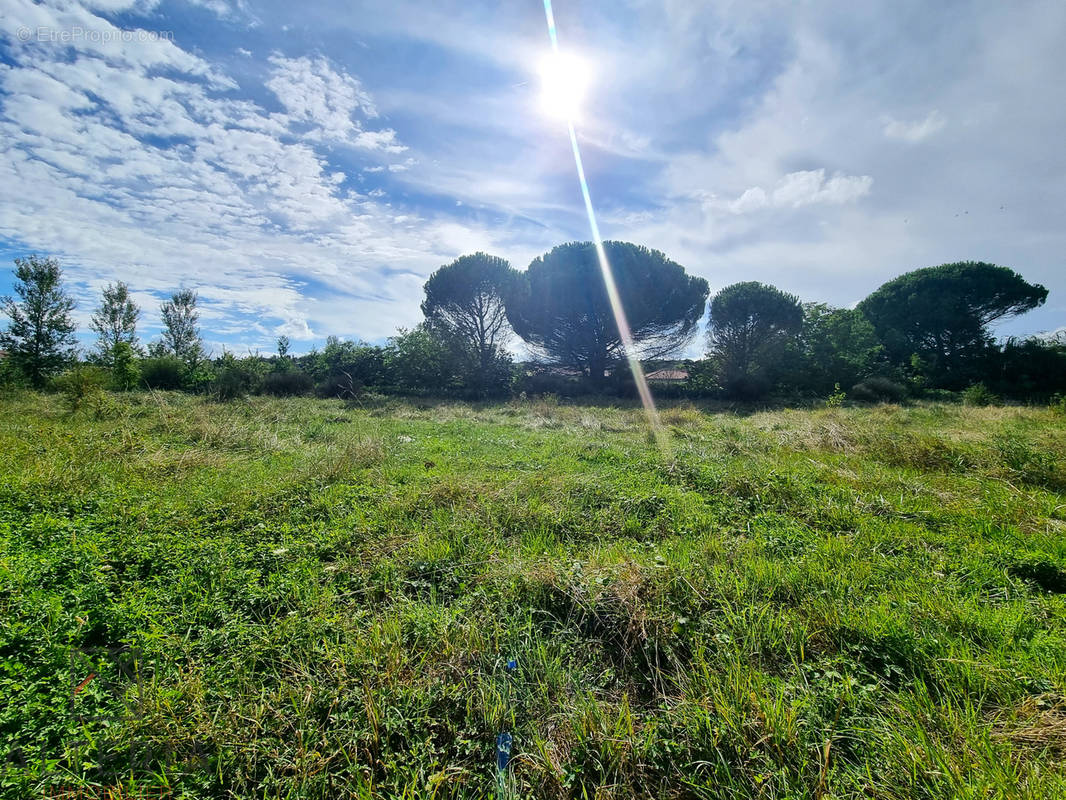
(918, 131)
(803, 188)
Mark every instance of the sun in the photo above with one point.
(564, 78)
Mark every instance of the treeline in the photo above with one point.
(923, 333)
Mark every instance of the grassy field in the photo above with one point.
(296, 598)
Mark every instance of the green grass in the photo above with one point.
(294, 598)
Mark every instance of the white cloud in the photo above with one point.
(241, 203)
(384, 140)
(753, 199)
(742, 143)
(315, 93)
(915, 132)
(803, 188)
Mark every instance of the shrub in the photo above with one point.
(544, 382)
(340, 385)
(287, 384)
(80, 383)
(747, 387)
(10, 376)
(234, 377)
(837, 398)
(878, 390)
(978, 395)
(163, 372)
(1058, 404)
(125, 373)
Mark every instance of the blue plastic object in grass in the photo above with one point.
(503, 751)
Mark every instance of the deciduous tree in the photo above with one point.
(181, 330)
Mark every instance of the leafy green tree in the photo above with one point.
(40, 338)
(345, 368)
(125, 371)
(234, 377)
(162, 371)
(1032, 367)
(422, 361)
(181, 330)
(115, 321)
(467, 299)
(561, 309)
(751, 324)
(834, 346)
(283, 347)
(941, 316)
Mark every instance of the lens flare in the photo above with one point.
(615, 299)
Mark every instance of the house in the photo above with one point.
(667, 376)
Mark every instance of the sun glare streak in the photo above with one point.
(615, 299)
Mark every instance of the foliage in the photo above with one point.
(423, 361)
(163, 372)
(977, 394)
(293, 598)
(79, 383)
(466, 299)
(837, 398)
(344, 368)
(878, 389)
(125, 371)
(11, 378)
(834, 346)
(560, 306)
(39, 339)
(1030, 368)
(115, 322)
(235, 377)
(942, 314)
(283, 348)
(287, 384)
(751, 325)
(181, 331)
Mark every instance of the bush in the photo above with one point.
(878, 390)
(163, 372)
(125, 374)
(747, 387)
(10, 376)
(837, 398)
(978, 395)
(235, 377)
(543, 383)
(80, 383)
(287, 384)
(340, 385)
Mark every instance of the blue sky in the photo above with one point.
(305, 166)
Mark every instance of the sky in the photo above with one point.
(305, 166)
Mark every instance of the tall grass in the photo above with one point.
(298, 598)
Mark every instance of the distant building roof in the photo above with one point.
(668, 375)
